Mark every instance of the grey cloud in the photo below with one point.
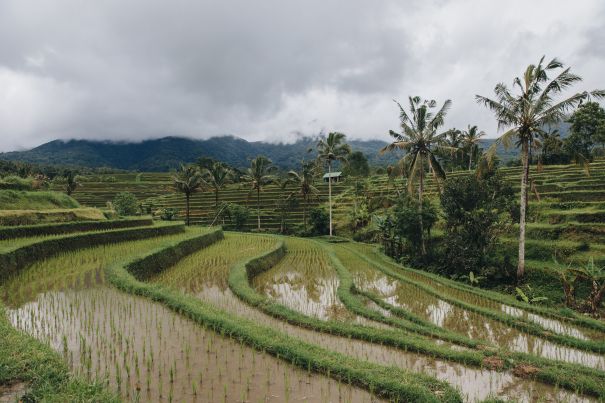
(260, 69)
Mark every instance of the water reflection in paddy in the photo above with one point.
(449, 316)
(205, 275)
(145, 351)
(551, 324)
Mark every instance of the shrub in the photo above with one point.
(168, 213)
(126, 203)
(475, 211)
(320, 221)
(407, 221)
(13, 182)
(23, 200)
(239, 215)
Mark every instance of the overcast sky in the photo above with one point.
(267, 70)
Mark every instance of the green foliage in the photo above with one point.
(65, 228)
(187, 180)
(587, 129)
(407, 222)
(320, 221)
(126, 203)
(23, 200)
(19, 257)
(527, 295)
(257, 176)
(357, 165)
(553, 150)
(239, 215)
(71, 181)
(13, 182)
(475, 214)
(168, 213)
(473, 279)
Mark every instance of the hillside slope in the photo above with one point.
(160, 155)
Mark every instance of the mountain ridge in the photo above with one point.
(166, 153)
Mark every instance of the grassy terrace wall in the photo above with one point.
(68, 227)
(11, 262)
(392, 383)
(45, 375)
(32, 217)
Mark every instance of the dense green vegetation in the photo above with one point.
(29, 200)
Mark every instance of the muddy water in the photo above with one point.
(446, 315)
(304, 281)
(147, 352)
(551, 324)
(475, 384)
(206, 273)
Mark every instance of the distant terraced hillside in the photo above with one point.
(567, 195)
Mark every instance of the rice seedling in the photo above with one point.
(91, 320)
(430, 308)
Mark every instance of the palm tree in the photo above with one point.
(303, 181)
(258, 175)
(419, 139)
(526, 113)
(187, 180)
(331, 149)
(453, 138)
(71, 181)
(217, 176)
(471, 138)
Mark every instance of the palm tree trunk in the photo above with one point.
(420, 199)
(187, 196)
(470, 159)
(258, 206)
(330, 193)
(305, 215)
(523, 209)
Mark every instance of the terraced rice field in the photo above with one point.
(160, 312)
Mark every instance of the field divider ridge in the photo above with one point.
(13, 261)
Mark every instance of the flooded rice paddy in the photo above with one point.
(210, 269)
(141, 349)
(146, 352)
(446, 315)
(551, 324)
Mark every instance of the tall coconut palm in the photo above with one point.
(187, 180)
(329, 150)
(526, 112)
(471, 138)
(419, 139)
(217, 176)
(258, 175)
(453, 138)
(303, 181)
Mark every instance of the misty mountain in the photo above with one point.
(166, 153)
